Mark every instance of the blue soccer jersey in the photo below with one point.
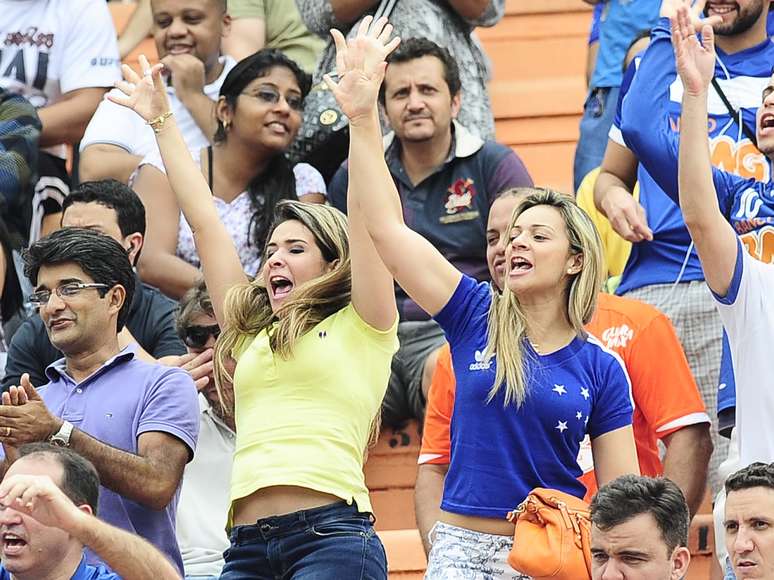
(500, 453)
(742, 76)
(746, 199)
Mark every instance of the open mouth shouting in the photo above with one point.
(520, 265)
(13, 544)
(766, 123)
(280, 287)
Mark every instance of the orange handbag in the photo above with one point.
(552, 537)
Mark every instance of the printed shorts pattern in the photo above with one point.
(460, 554)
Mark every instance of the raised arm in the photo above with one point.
(147, 96)
(714, 238)
(415, 264)
(373, 291)
(645, 118)
(129, 555)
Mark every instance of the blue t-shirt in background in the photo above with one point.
(499, 454)
(619, 24)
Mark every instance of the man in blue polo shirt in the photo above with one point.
(137, 422)
(44, 534)
(447, 180)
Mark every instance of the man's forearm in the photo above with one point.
(104, 161)
(428, 493)
(65, 121)
(129, 475)
(137, 29)
(202, 109)
(686, 460)
(605, 182)
(128, 555)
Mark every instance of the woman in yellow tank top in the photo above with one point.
(313, 337)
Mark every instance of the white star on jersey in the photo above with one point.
(579, 415)
(559, 389)
(561, 426)
(585, 393)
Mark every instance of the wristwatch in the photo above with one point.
(62, 437)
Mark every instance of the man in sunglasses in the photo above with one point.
(114, 209)
(204, 496)
(136, 421)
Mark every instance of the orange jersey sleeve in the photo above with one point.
(440, 405)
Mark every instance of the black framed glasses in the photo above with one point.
(272, 96)
(197, 336)
(65, 291)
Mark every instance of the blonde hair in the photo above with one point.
(247, 308)
(507, 324)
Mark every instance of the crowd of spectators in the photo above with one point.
(224, 273)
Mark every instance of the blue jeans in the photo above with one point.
(333, 542)
(598, 117)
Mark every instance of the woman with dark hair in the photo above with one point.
(258, 115)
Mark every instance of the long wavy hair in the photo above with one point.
(277, 181)
(507, 325)
(247, 308)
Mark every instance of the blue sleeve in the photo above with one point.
(644, 114)
(646, 124)
(469, 303)
(736, 278)
(626, 83)
(612, 403)
(172, 406)
(337, 188)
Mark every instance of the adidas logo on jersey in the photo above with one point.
(481, 363)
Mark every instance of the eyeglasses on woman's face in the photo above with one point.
(271, 96)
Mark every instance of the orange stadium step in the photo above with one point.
(538, 54)
(391, 471)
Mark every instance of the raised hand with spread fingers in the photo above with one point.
(146, 95)
(360, 64)
(695, 61)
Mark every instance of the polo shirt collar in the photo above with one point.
(464, 144)
(58, 369)
(206, 409)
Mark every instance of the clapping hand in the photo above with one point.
(695, 61)
(360, 64)
(146, 95)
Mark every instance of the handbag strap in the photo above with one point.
(749, 133)
(385, 9)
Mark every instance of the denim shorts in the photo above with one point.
(461, 554)
(333, 542)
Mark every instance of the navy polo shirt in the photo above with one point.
(450, 207)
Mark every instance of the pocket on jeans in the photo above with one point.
(351, 527)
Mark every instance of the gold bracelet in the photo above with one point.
(157, 124)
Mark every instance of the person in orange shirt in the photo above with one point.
(667, 403)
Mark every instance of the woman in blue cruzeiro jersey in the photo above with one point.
(531, 383)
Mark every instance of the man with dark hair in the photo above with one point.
(188, 40)
(749, 521)
(639, 530)
(447, 179)
(48, 508)
(114, 209)
(137, 422)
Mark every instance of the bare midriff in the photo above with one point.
(276, 501)
(499, 527)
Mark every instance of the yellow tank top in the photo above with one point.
(306, 421)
